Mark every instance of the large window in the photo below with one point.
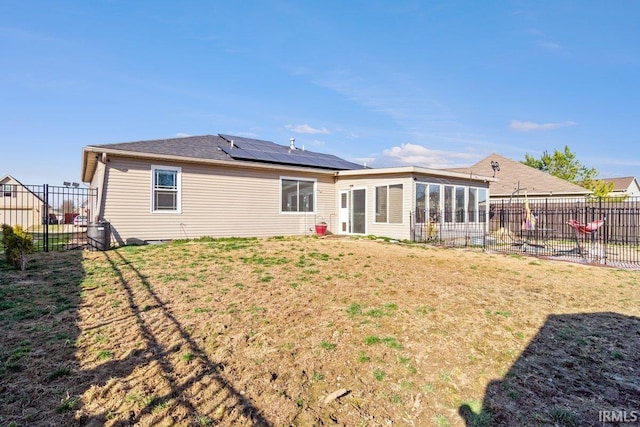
(389, 204)
(448, 203)
(482, 205)
(434, 203)
(459, 204)
(165, 189)
(297, 195)
(472, 205)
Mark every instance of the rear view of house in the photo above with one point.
(223, 185)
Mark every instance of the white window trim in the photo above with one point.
(375, 204)
(315, 195)
(177, 169)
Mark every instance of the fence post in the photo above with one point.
(45, 220)
(412, 231)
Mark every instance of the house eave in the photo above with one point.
(91, 155)
(416, 170)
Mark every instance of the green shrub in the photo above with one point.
(17, 245)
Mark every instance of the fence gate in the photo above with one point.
(56, 217)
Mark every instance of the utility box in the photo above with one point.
(99, 236)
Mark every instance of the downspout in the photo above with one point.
(100, 185)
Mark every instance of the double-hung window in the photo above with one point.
(165, 189)
(297, 195)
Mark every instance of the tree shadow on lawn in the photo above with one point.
(42, 381)
(153, 352)
(579, 370)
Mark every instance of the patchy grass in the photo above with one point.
(261, 331)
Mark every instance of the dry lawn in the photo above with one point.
(312, 332)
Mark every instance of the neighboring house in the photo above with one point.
(624, 187)
(232, 186)
(516, 179)
(19, 205)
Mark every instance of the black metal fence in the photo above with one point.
(602, 231)
(56, 217)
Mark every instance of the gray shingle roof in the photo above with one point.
(201, 147)
(218, 147)
(513, 173)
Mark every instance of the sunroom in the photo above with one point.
(413, 203)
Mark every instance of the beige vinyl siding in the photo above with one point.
(216, 201)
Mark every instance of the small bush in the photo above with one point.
(17, 245)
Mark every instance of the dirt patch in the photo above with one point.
(311, 331)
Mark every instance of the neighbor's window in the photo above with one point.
(389, 204)
(297, 195)
(166, 189)
(9, 190)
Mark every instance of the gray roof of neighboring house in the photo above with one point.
(219, 147)
(513, 175)
(621, 183)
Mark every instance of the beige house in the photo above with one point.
(19, 205)
(624, 187)
(222, 186)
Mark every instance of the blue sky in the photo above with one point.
(427, 83)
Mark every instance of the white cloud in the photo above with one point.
(417, 155)
(246, 134)
(532, 126)
(305, 128)
(550, 45)
(182, 135)
(365, 161)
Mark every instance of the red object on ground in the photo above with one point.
(321, 229)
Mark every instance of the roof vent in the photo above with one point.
(495, 166)
(292, 143)
(232, 143)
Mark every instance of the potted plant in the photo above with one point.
(321, 228)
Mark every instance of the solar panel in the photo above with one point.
(266, 151)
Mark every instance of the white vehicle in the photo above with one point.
(80, 221)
